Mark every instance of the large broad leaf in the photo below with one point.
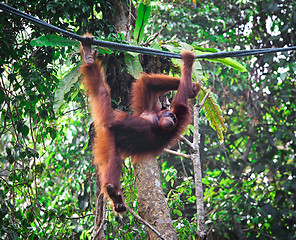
(143, 16)
(226, 61)
(64, 87)
(213, 114)
(230, 63)
(133, 64)
(176, 47)
(53, 41)
(197, 71)
(171, 48)
(103, 50)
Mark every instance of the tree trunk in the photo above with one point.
(123, 18)
(100, 209)
(195, 157)
(152, 203)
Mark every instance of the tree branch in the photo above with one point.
(177, 153)
(195, 157)
(200, 105)
(145, 223)
(156, 34)
(187, 142)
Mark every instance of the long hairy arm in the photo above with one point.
(186, 90)
(97, 87)
(147, 88)
(105, 152)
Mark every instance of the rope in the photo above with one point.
(137, 49)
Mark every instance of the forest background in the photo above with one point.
(47, 180)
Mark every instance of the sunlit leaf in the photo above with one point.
(133, 64)
(143, 16)
(178, 212)
(229, 62)
(53, 41)
(64, 87)
(103, 50)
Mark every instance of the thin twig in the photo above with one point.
(73, 110)
(73, 218)
(187, 142)
(145, 223)
(156, 34)
(183, 166)
(177, 153)
(181, 159)
(203, 100)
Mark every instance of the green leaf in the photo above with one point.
(185, 46)
(178, 212)
(205, 181)
(191, 199)
(133, 64)
(64, 87)
(143, 16)
(53, 41)
(197, 70)
(103, 50)
(155, 45)
(39, 168)
(213, 114)
(2, 98)
(25, 130)
(22, 128)
(229, 62)
(171, 48)
(216, 173)
(201, 51)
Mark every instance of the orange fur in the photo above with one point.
(146, 132)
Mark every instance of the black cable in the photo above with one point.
(243, 53)
(113, 45)
(137, 49)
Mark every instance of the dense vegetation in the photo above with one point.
(250, 180)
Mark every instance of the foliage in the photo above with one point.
(143, 15)
(213, 113)
(53, 41)
(133, 64)
(226, 61)
(249, 180)
(65, 86)
(45, 166)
